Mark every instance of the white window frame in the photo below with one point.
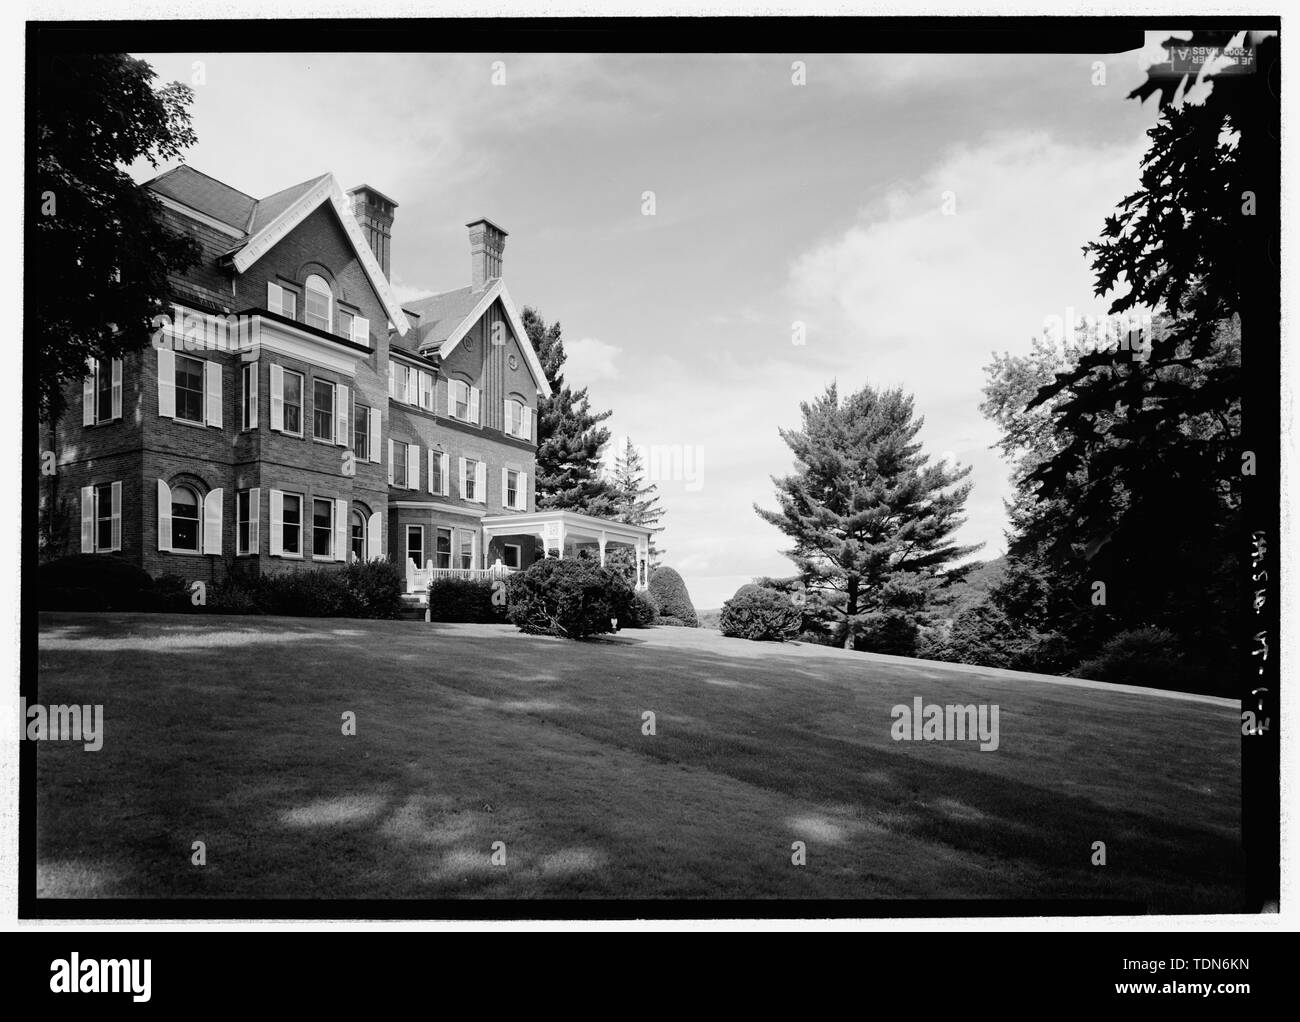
(327, 294)
(302, 402)
(302, 500)
(201, 420)
(248, 395)
(331, 553)
(275, 300)
(253, 521)
(90, 392)
(334, 409)
(406, 544)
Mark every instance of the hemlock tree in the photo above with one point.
(569, 434)
(636, 501)
(100, 252)
(870, 517)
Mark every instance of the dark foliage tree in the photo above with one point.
(99, 252)
(569, 434)
(871, 519)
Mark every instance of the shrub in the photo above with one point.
(375, 588)
(1151, 657)
(462, 599)
(641, 612)
(669, 591)
(760, 614)
(172, 594)
(93, 582)
(235, 596)
(571, 598)
(366, 590)
(672, 622)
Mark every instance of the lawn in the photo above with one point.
(228, 730)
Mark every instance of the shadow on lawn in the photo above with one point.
(810, 733)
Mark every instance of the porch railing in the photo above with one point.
(418, 579)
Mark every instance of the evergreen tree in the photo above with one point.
(569, 434)
(636, 502)
(870, 517)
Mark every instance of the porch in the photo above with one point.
(563, 532)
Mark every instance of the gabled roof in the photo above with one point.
(206, 194)
(446, 317)
(258, 224)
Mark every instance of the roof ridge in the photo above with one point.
(185, 166)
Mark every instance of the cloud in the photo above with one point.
(590, 360)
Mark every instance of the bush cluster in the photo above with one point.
(570, 598)
(760, 614)
(466, 600)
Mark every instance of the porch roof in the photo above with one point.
(575, 525)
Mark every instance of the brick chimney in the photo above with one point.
(486, 243)
(374, 212)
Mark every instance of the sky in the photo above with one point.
(914, 213)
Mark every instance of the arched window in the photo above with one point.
(186, 517)
(319, 305)
(357, 535)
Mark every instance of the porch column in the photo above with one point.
(602, 548)
(554, 538)
(642, 563)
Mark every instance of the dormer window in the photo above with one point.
(318, 306)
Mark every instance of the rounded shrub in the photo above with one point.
(760, 614)
(669, 592)
(94, 582)
(463, 599)
(641, 612)
(1150, 657)
(569, 598)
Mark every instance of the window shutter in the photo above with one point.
(341, 417)
(372, 430)
(392, 378)
(274, 297)
(277, 523)
(164, 516)
(361, 330)
(473, 405)
(432, 454)
(375, 536)
(462, 479)
(87, 519)
(446, 469)
(88, 394)
(480, 482)
(528, 422)
(505, 418)
(340, 530)
(212, 521)
(412, 466)
(521, 493)
(390, 461)
(255, 520)
(505, 491)
(167, 383)
(117, 388)
(212, 384)
(411, 389)
(254, 382)
(277, 397)
(116, 513)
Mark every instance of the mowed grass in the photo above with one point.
(229, 731)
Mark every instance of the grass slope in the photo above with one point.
(228, 731)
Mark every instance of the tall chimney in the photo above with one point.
(486, 243)
(374, 212)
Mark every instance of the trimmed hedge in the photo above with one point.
(367, 589)
(571, 598)
(465, 600)
(760, 614)
(669, 592)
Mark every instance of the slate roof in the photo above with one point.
(440, 314)
(206, 194)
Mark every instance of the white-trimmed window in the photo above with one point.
(403, 465)
(248, 395)
(518, 419)
(462, 401)
(188, 522)
(323, 410)
(318, 303)
(442, 548)
(465, 553)
(101, 394)
(286, 400)
(189, 389)
(343, 323)
(415, 544)
(512, 555)
(187, 519)
(438, 472)
(282, 300)
(426, 389)
(322, 528)
(286, 523)
(101, 518)
(473, 480)
(248, 506)
(514, 495)
(361, 433)
(356, 536)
